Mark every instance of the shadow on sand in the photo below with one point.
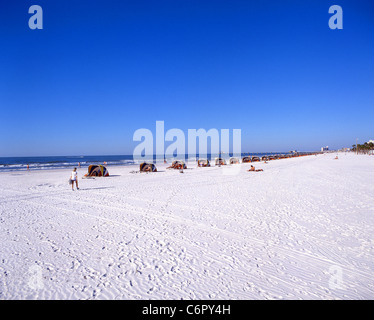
(97, 188)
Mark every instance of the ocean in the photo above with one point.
(60, 162)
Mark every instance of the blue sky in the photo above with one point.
(99, 70)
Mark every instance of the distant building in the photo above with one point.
(325, 148)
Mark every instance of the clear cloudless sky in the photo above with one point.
(99, 70)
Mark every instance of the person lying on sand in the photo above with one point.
(147, 168)
(176, 166)
(254, 169)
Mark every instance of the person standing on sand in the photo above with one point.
(74, 178)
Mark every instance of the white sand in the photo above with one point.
(302, 229)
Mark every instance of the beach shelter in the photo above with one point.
(177, 164)
(265, 158)
(220, 162)
(97, 170)
(246, 159)
(234, 161)
(255, 159)
(203, 163)
(147, 167)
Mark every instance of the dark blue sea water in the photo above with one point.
(58, 162)
(43, 163)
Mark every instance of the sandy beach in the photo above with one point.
(301, 229)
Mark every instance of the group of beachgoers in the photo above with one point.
(149, 167)
(73, 180)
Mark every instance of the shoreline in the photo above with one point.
(23, 166)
